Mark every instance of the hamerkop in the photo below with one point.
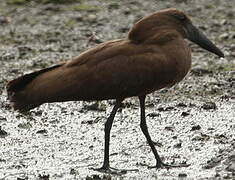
(153, 56)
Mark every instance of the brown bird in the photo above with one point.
(154, 56)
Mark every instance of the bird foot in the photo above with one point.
(111, 170)
(168, 166)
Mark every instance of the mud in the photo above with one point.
(193, 122)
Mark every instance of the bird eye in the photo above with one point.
(180, 17)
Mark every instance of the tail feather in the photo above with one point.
(17, 95)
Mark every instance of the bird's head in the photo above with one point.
(169, 20)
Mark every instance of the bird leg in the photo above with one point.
(108, 125)
(144, 128)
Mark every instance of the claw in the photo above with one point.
(111, 170)
(164, 165)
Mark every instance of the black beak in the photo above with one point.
(194, 35)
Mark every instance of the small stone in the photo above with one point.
(224, 22)
(212, 162)
(196, 127)
(165, 109)
(127, 12)
(178, 145)
(90, 121)
(231, 163)
(192, 105)
(200, 137)
(184, 114)
(169, 108)
(181, 105)
(89, 178)
(21, 178)
(4, 20)
(209, 105)
(72, 171)
(227, 176)
(123, 29)
(231, 167)
(43, 131)
(2, 160)
(23, 50)
(224, 36)
(200, 71)
(91, 18)
(3, 133)
(160, 109)
(182, 175)
(230, 14)
(169, 128)
(3, 119)
(26, 125)
(154, 114)
(79, 18)
(107, 177)
(44, 177)
(93, 38)
(94, 177)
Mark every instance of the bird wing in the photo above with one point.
(111, 70)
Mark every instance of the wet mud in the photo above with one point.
(192, 122)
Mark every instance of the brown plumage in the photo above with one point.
(155, 55)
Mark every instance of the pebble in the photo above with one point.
(182, 175)
(91, 18)
(178, 145)
(44, 176)
(231, 165)
(224, 36)
(153, 114)
(200, 71)
(184, 114)
(196, 127)
(3, 133)
(224, 22)
(4, 20)
(43, 131)
(181, 105)
(209, 105)
(26, 125)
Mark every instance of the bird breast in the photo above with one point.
(172, 65)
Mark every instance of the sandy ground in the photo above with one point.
(193, 122)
